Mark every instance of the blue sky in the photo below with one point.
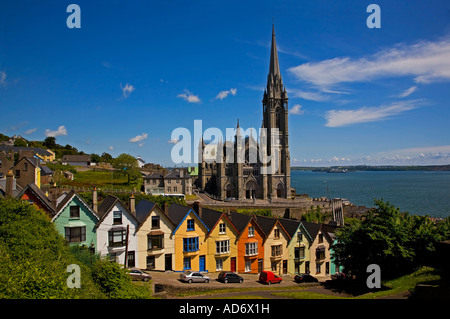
(137, 70)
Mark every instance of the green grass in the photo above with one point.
(102, 180)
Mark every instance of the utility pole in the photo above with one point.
(126, 247)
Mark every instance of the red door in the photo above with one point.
(233, 264)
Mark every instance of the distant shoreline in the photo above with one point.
(355, 168)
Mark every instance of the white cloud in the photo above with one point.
(296, 109)
(336, 118)
(141, 144)
(127, 90)
(111, 148)
(408, 92)
(60, 131)
(425, 61)
(30, 131)
(312, 96)
(189, 96)
(2, 78)
(224, 94)
(138, 138)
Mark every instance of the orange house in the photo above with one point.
(250, 243)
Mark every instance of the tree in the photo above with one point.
(397, 242)
(50, 142)
(106, 157)
(20, 142)
(125, 164)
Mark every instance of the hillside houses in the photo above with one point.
(180, 238)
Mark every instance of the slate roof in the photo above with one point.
(39, 193)
(265, 223)
(210, 217)
(76, 158)
(312, 228)
(177, 213)
(240, 221)
(289, 225)
(143, 208)
(106, 205)
(153, 176)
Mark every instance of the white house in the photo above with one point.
(117, 224)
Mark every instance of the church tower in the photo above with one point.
(275, 120)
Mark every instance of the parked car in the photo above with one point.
(228, 276)
(304, 278)
(339, 276)
(269, 277)
(192, 276)
(137, 274)
(229, 199)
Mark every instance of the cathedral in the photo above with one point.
(247, 168)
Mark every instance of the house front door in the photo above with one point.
(233, 264)
(285, 266)
(202, 263)
(260, 265)
(168, 262)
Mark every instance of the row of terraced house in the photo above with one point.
(180, 238)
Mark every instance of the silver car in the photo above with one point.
(193, 276)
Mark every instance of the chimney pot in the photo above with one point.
(133, 205)
(94, 200)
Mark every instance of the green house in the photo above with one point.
(76, 221)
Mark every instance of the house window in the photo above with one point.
(75, 234)
(277, 250)
(169, 189)
(222, 228)
(117, 218)
(251, 231)
(175, 189)
(155, 221)
(168, 181)
(25, 166)
(318, 268)
(251, 249)
(190, 224)
(190, 244)
(223, 246)
(299, 252)
(248, 265)
(74, 212)
(320, 238)
(117, 238)
(320, 253)
(155, 242)
(17, 174)
(299, 236)
(186, 263)
(276, 233)
(219, 264)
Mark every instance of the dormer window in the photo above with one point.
(117, 218)
(75, 212)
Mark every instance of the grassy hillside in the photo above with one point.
(34, 258)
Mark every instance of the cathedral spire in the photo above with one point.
(274, 66)
(274, 77)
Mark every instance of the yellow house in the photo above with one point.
(155, 244)
(319, 250)
(221, 240)
(276, 253)
(189, 238)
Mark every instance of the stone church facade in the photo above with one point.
(247, 168)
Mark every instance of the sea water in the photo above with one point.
(417, 192)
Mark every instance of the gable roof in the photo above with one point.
(330, 230)
(107, 205)
(268, 223)
(41, 196)
(76, 158)
(289, 225)
(178, 213)
(143, 209)
(67, 199)
(312, 229)
(212, 217)
(241, 221)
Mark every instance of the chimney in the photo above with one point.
(198, 208)
(166, 209)
(133, 205)
(9, 183)
(94, 200)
